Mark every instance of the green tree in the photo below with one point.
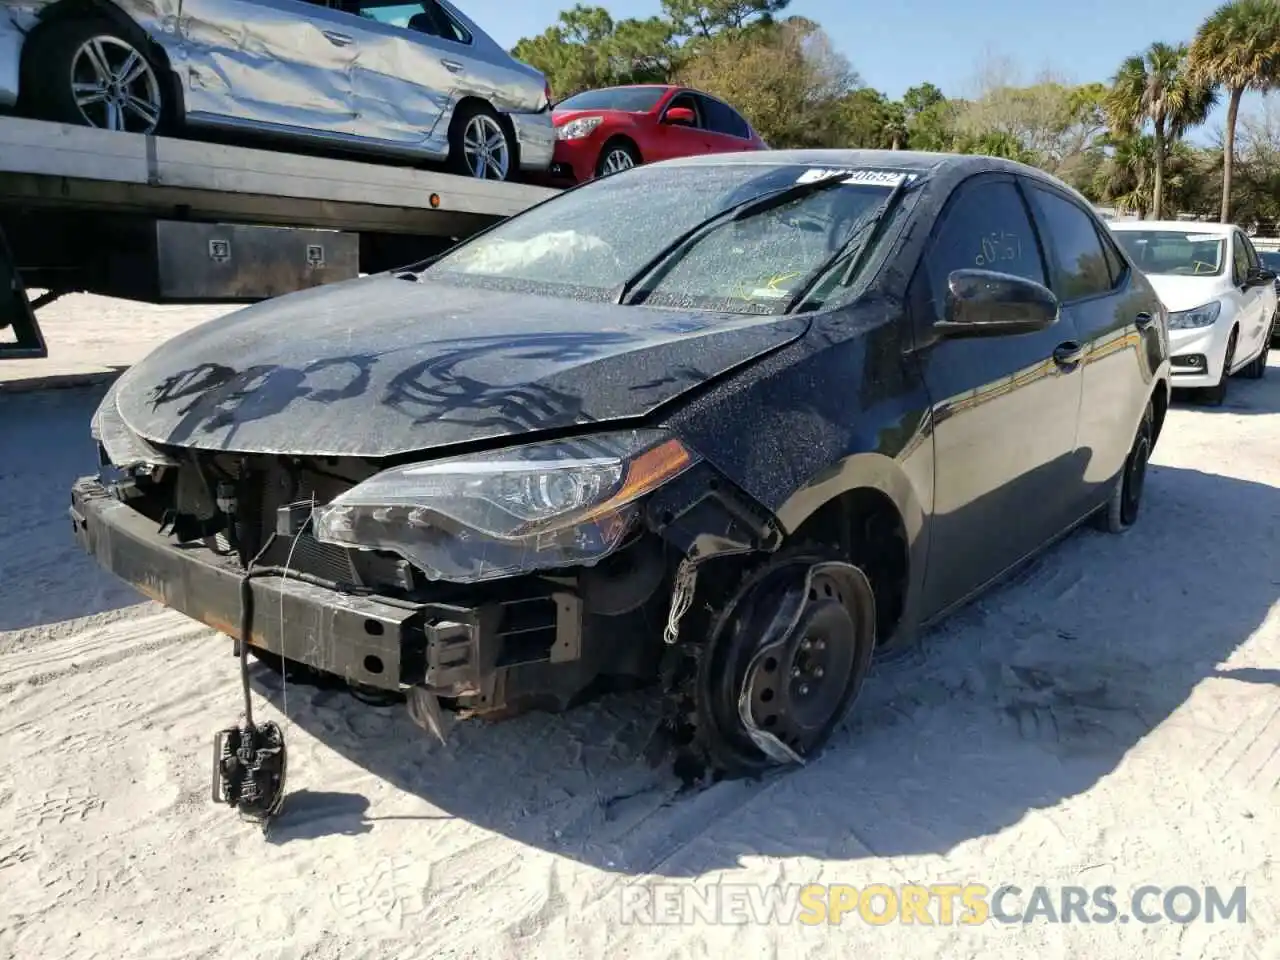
(1238, 48)
(690, 18)
(864, 119)
(787, 80)
(920, 98)
(586, 48)
(1156, 87)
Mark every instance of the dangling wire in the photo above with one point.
(288, 565)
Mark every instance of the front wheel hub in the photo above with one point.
(798, 687)
(785, 662)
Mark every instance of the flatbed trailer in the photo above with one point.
(183, 221)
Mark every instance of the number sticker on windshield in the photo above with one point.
(872, 178)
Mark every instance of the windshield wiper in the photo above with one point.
(864, 231)
(737, 213)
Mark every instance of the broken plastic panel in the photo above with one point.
(124, 447)
(502, 513)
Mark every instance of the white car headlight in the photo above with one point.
(483, 516)
(579, 128)
(124, 448)
(1203, 316)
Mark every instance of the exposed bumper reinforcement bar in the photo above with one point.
(358, 638)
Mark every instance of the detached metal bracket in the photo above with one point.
(16, 312)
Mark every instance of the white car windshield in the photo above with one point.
(1174, 252)
(591, 240)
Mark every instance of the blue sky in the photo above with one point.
(894, 48)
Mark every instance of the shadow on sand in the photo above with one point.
(44, 575)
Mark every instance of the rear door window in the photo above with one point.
(1080, 262)
(721, 118)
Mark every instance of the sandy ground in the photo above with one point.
(1112, 716)
(88, 334)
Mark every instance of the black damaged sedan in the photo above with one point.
(726, 425)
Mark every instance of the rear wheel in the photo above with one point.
(479, 145)
(94, 73)
(1122, 509)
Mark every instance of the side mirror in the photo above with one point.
(681, 117)
(983, 303)
(1262, 277)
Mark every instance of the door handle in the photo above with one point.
(337, 39)
(453, 66)
(1067, 355)
(1144, 320)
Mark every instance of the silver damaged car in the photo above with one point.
(410, 80)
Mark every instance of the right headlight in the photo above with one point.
(579, 128)
(518, 510)
(1197, 317)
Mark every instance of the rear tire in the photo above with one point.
(479, 145)
(95, 73)
(1121, 511)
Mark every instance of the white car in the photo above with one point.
(1221, 299)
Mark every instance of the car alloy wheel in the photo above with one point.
(617, 160)
(114, 86)
(485, 148)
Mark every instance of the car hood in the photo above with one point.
(1183, 293)
(560, 117)
(379, 367)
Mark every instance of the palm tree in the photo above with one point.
(1157, 87)
(894, 127)
(1238, 48)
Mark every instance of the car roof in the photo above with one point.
(908, 161)
(1175, 226)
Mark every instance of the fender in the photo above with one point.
(905, 482)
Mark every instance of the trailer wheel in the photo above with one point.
(479, 145)
(94, 73)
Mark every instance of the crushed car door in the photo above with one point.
(405, 78)
(1004, 408)
(286, 63)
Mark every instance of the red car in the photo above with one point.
(599, 132)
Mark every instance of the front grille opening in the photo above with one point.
(526, 630)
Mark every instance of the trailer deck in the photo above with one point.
(45, 165)
(149, 218)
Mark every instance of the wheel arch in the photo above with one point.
(623, 139)
(469, 101)
(65, 11)
(1159, 408)
(870, 502)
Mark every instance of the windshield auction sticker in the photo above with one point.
(871, 178)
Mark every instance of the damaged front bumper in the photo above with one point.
(456, 651)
